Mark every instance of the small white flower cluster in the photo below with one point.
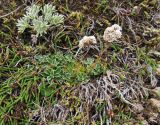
(112, 33)
(87, 41)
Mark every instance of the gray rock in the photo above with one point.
(138, 108)
(153, 118)
(144, 122)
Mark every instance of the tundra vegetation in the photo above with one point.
(78, 62)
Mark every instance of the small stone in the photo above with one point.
(138, 108)
(153, 118)
(129, 123)
(156, 92)
(144, 122)
(158, 71)
(125, 124)
(140, 117)
(155, 104)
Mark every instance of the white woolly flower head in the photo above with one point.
(87, 41)
(112, 33)
(116, 27)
